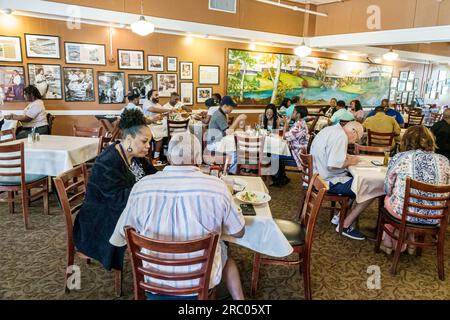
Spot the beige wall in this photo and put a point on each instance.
(351, 16)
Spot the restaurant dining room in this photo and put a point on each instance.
(224, 150)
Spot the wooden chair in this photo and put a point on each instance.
(108, 127)
(163, 254)
(174, 127)
(373, 151)
(221, 168)
(103, 144)
(7, 135)
(299, 235)
(71, 187)
(312, 127)
(417, 194)
(415, 118)
(306, 162)
(13, 179)
(378, 139)
(311, 139)
(87, 132)
(50, 121)
(249, 154)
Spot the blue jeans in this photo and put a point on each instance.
(283, 161)
(151, 296)
(342, 189)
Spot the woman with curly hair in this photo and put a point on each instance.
(114, 174)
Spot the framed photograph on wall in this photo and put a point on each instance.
(409, 86)
(79, 85)
(10, 49)
(42, 46)
(398, 99)
(172, 64)
(442, 76)
(12, 83)
(416, 84)
(85, 53)
(111, 87)
(187, 93)
(186, 70)
(155, 63)
(404, 76)
(208, 74)
(204, 94)
(392, 95)
(411, 75)
(440, 86)
(411, 97)
(166, 83)
(445, 90)
(130, 59)
(394, 82)
(401, 86)
(47, 79)
(140, 84)
(404, 97)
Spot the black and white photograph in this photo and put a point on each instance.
(79, 84)
(204, 94)
(47, 79)
(187, 93)
(130, 59)
(12, 83)
(10, 49)
(85, 53)
(186, 70)
(394, 82)
(140, 84)
(111, 87)
(416, 84)
(42, 46)
(404, 76)
(167, 83)
(155, 63)
(172, 64)
(208, 75)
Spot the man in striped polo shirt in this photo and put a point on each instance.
(181, 203)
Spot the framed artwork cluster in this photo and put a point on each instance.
(404, 88)
(76, 83)
(438, 87)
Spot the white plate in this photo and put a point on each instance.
(239, 184)
(261, 197)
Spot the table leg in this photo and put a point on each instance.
(371, 232)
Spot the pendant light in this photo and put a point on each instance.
(303, 50)
(142, 27)
(390, 56)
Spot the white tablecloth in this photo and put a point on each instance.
(368, 179)
(53, 155)
(261, 232)
(272, 144)
(160, 131)
(7, 125)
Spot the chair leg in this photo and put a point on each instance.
(420, 238)
(379, 233)
(333, 206)
(304, 265)
(398, 251)
(45, 197)
(255, 273)
(11, 201)
(70, 261)
(440, 258)
(25, 208)
(118, 283)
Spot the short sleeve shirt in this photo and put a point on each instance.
(36, 111)
(216, 128)
(342, 114)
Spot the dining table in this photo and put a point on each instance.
(52, 155)
(262, 234)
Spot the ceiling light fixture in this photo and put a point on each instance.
(343, 56)
(6, 11)
(390, 56)
(295, 8)
(303, 50)
(142, 27)
(252, 47)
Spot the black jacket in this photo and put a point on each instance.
(441, 130)
(108, 190)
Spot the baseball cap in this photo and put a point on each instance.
(227, 100)
(210, 102)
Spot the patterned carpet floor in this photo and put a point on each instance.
(32, 262)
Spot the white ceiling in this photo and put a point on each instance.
(317, 2)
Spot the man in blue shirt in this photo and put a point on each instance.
(389, 112)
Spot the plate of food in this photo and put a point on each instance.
(253, 197)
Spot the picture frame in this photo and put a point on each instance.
(166, 84)
(111, 87)
(411, 75)
(130, 59)
(47, 78)
(78, 84)
(398, 98)
(155, 63)
(209, 74)
(404, 76)
(85, 53)
(416, 84)
(203, 94)
(186, 70)
(401, 86)
(10, 49)
(404, 97)
(42, 46)
(409, 86)
(445, 90)
(442, 75)
(440, 86)
(12, 83)
(392, 95)
(140, 84)
(410, 100)
(187, 93)
(394, 82)
(172, 64)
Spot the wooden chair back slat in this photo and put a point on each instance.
(205, 248)
(17, 151)
(374, 151)
(378, 139)
(87, 132)
(306, 164)
(250, 153)
(7, 135)
(174, 127)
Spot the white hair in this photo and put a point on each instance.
(355, 126)
(184, 149)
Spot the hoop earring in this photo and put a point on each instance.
(129, 149)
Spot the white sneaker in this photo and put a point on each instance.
(335, 220)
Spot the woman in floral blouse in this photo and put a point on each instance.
(419, 162)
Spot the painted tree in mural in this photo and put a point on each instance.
(324, 65)
(273, 73)
(242, 62)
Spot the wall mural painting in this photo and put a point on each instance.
(258, 78)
